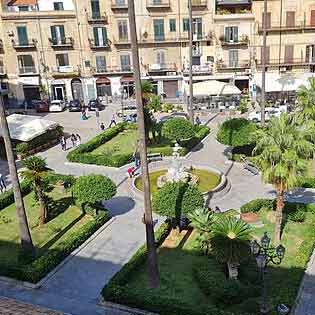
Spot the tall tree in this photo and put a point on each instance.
(25, 235)
(306, 101)
(148, 220)
(283, 149)
(35, 172)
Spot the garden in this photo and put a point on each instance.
(62, 212)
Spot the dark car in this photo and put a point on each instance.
(93, 104)
(40, 106)
(75, 106)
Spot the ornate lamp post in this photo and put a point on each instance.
(265, 254)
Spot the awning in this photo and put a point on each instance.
(21, 2)
(127, 79)
(276, 82)
(58, 82)
(213, 87)
(29, 80)
(102, 80)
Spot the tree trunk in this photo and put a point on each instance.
(148, 220)
(279, 211)
(25, 235)
(42, 206)
(233, 270)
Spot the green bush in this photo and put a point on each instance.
(200, 133)
(297, 216)
(92, 189)
(237, 132)
(307, 182)
(176, 129)
(155, 103)
(174, 200)
(54, 178)
(22, 148)
(166, 107)
(257, 204)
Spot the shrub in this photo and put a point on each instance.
(257, 204)
(177, 129)
(307, 182)
(22, 148)
(237, 132)
(92, 189)
(155, 103)
(200, 133)
(176, 199)
(297, 216)
(166, 107)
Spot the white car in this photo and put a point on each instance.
(57, 106)
(269, 113)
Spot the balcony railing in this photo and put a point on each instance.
(66, 42)
(234, 43)
(288, 62)
(122, 41)
(172, 38)
(112, 69)
(65, 71)
(206, 68)
(234, 2)
(298, 27)
(196, 4)
(98, 18)
(158, 4)
(158, 67)
(119, 5)
(27, 70)
(241, 64)
(31, 44)
(99, 45)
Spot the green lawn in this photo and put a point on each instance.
(207, 180)
(178, 282)
(65, 221)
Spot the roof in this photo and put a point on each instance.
(25, 127)
(21, 2)
(213, 87)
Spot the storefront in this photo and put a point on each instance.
(77, 89)
(103, 87)
(59, 90)
(31, 90)
(127, 84)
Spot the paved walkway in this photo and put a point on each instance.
(74, 287)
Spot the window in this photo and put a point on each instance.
(58, 34)
(231, 34)
(312, 22)
(26, 64)
(197, 28)
(22, 35)
(121, 3)
(268, 22)
(123, 30)
(23, 8)
(290, 18)
(62, 60)
(158, 26)
(185, 25)
(100, 64)
(160, 58)
(233, 58)
(58, 6)
(310, 53)
(288, 53)
(172, 25)
(100, 36)
(125, 62)
(95, 7)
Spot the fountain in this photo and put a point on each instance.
(177, 172)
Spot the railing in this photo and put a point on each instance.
(199, 3)
(98, 45)
(166, 38)
(62, 42)
(112, 69)
(234, 2)
(97, 18)
(206, 68)
(27, 70)
(30, 44)
(298, 27)
(153, 4)
(241, 64)
(157, 67)
(288, 62)
(119, 4)
(122, 40)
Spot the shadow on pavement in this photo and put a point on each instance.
(119, 205)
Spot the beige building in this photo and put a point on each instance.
(75, 49)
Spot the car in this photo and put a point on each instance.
(57, 106)
(127, 110)
(269, 113)
(175, 115)
(75, 106)
(93, 104)
(41, 106)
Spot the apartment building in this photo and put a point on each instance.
(75, 49)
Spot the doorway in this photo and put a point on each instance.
(77, 89)
(59, 93)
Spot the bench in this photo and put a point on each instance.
(154, 157)
(251, 168)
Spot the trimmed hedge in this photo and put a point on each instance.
(201, 133)
(40, 267)
(82, 154)
(307, 182)
(257, 204)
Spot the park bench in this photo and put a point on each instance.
(251, 168)
(154, 157)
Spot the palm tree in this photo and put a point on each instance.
(306, 101)
(147, 91)
(25, 235)
(35, 172)
(283, 149)
(230, 242)
(202, 220)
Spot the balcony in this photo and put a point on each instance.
(240, 65)
(101, 70)
(94, 45)
(98, 18)
(288, 62)
(146, 38)
(158, 4)
(243, 41)
(62, 43)
(206, 68)
(228, 16)
(122, 41)
(26, 15)
(299, 27)
(199, 4)
(27, 70)
(119, 5)
(65, 71)
(161, 67)
(31, 44)
(234, 2)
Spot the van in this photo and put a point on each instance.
(57, 106)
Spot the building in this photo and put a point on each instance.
(75, 49)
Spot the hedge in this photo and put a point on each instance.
(257, 204)
(40, 267)
(82, 154)
(307, 182)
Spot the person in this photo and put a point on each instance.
(102, 126)
(83, 114)
(78, 139)
(198, 121)
(131, 171)
(63, 143)
(113, 121)
(73, 139)
(136, 155)
(3, 186)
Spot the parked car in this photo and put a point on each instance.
(269, 113)
(127, 111)
(41, 106)
(75, 106)
(175, 115)
(93, 104)
(57, 106)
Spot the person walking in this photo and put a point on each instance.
(113, 121)
(73, 139)
(63, 143)
(78, 139)
(136, 156)
(3, 186)
(131, 171)
(102, 126)
(198, 121)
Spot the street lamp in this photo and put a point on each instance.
(264, 254)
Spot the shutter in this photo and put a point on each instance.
(199, 27)
(267, 54)
(290, 19)
(104, 34)
(95, 32)
(95, 6)
(312, 18)
(62, 34)
(268, 22)
(307, 53)
(53, 34)
(158, 58)
(288, 53)
(22, 35)
(162, 59)
(233, 58)
(227, 34)
(235, 34)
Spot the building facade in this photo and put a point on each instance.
(75, 49)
